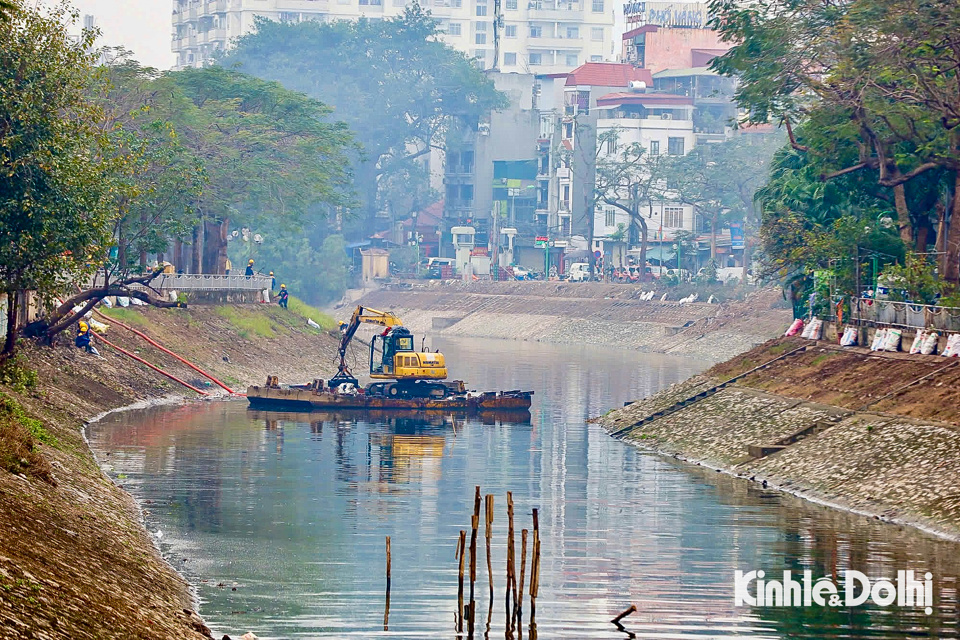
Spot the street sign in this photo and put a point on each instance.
(541, 242)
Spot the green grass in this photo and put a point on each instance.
(822, 358)
(127, 315)
(251, 322)
(19, 434)
(305, 311)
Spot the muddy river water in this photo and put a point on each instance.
(279, 519)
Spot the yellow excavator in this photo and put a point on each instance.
(410, 374)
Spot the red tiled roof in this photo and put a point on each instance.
(646, 99)
(608, 74)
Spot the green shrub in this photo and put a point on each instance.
(16, 374)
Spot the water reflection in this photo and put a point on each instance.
(293, 508)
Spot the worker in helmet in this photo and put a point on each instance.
(249, 271)
(83, 338)
(284, 296)
(273, 281)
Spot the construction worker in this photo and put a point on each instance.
(273, 282)
(83, 338)
(227, 266)
(283, 296)
(249, 271)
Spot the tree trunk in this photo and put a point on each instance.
(143, 252)
(178, 254)
(211, 246)
(941, 246)
(13, 311)
(222, 246)
(643, 248)
(713, 237)
(196, 265)
(903, 215)
(591, 215)
(952, 270)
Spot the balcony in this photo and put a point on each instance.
(555, 43)
(551, 14)
(216, 6)
(635, 122)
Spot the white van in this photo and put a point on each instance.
(579, 272)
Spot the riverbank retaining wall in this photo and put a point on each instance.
(587, 313)
(873, 433)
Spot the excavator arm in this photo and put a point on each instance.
(362, 315)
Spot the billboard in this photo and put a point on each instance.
(671, 15)
(736, 235)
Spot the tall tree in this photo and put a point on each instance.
(54, 201)
(393, 81)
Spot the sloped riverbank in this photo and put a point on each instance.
(75, 559)
(587, 313)
(873, 433)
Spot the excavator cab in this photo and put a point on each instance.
(385, 347)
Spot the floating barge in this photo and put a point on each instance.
(307, 399)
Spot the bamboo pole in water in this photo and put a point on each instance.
(511, 565)
(461, 551)
(489, 533)
(523, 572)
(474, 525)
(534, 570)
(386, 609)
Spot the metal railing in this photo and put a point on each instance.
(205, 282)
(906, 314)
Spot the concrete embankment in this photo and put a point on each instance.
(875, 433)
(75, 559)
(587, 313)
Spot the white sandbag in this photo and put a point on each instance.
(663, 298)
(917, 342)
(891, 342)
(952, 349)
(807, 329)
(849, 338)
(98, 326)
(815, 329)
(312, 323)
(878, 339)
(930, 341)
(172, 295)
(137, 302)
(107, 303)
(265, 296)
(123, 301)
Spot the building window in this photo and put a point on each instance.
(453, 29)
(654, 147)
(510, 59)
(372, 3)
(571, 60)
(675, 146)
(673, 217)
(598, 6)
(573, 32)
(611, 145)
(536, 32)
(567, 126)
(596, 34)
(536, 59)
(510, 31)
(511, 5)
(481, 9)
(596, 58)
(289, 16)
(480, 38)
(611, 218)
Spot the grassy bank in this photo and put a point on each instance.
(75, 561)
(874, 433)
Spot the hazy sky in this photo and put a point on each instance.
(143, 26)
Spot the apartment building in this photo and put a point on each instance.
(537, 36)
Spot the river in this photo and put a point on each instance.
(279, 519)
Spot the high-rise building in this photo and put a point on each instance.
(536, 36)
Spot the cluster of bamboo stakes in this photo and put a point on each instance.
(514, 591)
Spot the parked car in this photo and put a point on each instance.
(521, 273)
(433, 267)
(579, 272)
